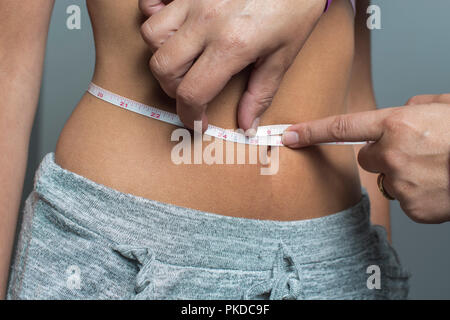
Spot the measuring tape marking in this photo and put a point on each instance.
(265, 135)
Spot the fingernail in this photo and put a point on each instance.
(290, 138)
(254, 129)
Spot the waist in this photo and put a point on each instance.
(134, 155)
(99, 210)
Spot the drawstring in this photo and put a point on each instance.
(284, 285)
(144, 258)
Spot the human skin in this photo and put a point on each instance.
(131, 153)
(212, 33)
(22, 51)
(165, 33)
(410, 145)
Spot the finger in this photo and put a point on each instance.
(163, 24)
(150, 7)
(362, 126)
(429, 98)
(169, 64)
(369, 158)
(263, 84)
(204, 81)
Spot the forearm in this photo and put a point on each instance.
(13, 155)
(22, 49)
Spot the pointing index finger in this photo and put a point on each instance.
(353, 127)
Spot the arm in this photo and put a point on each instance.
(410, 144)
(362, 98)
(24, 26)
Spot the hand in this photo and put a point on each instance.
(411, 147)
(199, 45)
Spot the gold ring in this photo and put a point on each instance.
(380, 180)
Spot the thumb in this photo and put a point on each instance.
(150, 7)
(264, 81)
(428, 98)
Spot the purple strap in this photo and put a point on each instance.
(328, 5)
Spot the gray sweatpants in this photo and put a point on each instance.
(82, 240)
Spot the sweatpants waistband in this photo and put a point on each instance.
(189, 237)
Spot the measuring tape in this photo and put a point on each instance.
(265, 135)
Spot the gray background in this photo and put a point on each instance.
(410, 56)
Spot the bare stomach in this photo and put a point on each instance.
(133, 154)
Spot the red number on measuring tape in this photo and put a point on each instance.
(222, 135)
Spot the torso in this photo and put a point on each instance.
(132, 153)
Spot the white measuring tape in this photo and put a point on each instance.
(265, 135)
